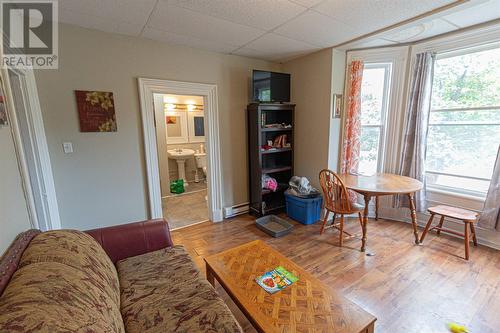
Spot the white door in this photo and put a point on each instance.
(33, 150)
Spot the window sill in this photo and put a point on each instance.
(478, 198)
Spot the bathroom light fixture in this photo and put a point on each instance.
(170, 106)
(191, 107)
(169, 99)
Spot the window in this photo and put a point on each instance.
(464, 123)
(374, 102)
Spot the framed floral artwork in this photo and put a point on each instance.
(96, 110)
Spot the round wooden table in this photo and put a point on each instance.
(383, 184)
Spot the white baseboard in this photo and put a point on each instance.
(236, 210)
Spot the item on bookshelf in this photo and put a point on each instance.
(276, 280)
(280, 141)
(267, 147)
(282, 125)
(269, 183)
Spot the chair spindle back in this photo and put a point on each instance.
(335, 193)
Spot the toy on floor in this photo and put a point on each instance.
(456, 328)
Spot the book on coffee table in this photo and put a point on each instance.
(276, 280)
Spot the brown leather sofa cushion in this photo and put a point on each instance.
(132, 239)
(163, 291)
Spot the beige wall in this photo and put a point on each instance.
(311, 91)
(103, 182)
(13, 210)
(338, 78)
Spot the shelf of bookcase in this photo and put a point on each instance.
(275, 150)
(274, 170)
(276, 129)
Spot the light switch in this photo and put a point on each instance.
(68, 147)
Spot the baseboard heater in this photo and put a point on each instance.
(236, 210)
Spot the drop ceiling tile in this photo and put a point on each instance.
(317, 29)
(368, 16)
(479, 13)
(271, 43)
(418, 31)
(131, 11)
(262, 14)
(99, 23)
(276, 56)
(86, 21)
(129, 29)
(364, 43)
(190, 23)
(187, 41)
(307, 3)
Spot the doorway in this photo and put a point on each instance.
(180, 138)
(156, 108)
(31, 148)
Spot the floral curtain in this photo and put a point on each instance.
(490, 216)
(352, 131)
(416, 125)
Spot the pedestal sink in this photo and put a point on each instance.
(180, 156)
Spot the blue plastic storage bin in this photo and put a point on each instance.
(305, 211)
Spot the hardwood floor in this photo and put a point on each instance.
(408, 288)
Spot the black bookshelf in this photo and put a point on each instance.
(266, 122)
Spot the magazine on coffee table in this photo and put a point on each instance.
(276, 280)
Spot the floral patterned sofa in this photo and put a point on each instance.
(128, 278)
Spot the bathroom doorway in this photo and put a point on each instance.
(180, 138)
(147, 89)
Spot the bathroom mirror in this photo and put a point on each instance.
(176, 127)
(196, 126)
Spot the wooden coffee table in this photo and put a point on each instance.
(308, 305)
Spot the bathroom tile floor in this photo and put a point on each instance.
(185, 209)
(192, 187)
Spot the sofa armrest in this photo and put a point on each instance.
(133, 239)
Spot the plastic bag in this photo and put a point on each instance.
(177, 186)
(300, 187)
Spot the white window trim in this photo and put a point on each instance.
(398, 56)
(456, 44)
(386, 95)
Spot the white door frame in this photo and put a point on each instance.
(148, 87)
(38, 142)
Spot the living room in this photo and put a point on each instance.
(436, 123)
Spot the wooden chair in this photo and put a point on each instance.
(336, 201)
(468, 217)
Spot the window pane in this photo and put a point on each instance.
(372, 95)
(463, 149)
(471, 116)
(370, 137)
(467, 80)
(450, 182)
